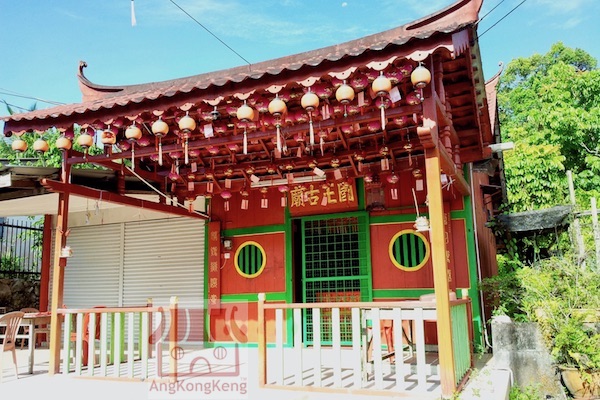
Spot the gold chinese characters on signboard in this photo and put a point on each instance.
(334, 196)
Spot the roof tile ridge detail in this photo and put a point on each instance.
(460, 13)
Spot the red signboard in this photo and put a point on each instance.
(214, 270)
(321, 198)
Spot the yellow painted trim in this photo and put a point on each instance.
(237, 265)
(391, 251)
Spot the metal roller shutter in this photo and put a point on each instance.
(165, 258)
(92, 274)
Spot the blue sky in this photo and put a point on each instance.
(42, 42)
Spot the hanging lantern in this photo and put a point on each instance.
(283, 189)
(420, 77)
(417, 174)
(40, 146)
(264, 202)
(385, 163)
(63, 143)
(108, 138)
(160, 129)
(245, 113)
(245, 194)
(335, 162)
(143, 141)
(344, 94)
(408, 147)
(277, 108)
(213, 150)
(85, 140)
(133, 133)
(173, 176)
(310, 102)
(359, 157)
(186, 125)
(226, 195)
(381, 87)
(123, 146)
(413, 98)
(271, 169)
(322, 136)
(19, 145)
(393, 178)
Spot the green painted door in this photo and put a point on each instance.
(335, 267)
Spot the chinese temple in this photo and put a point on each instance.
(360, 172)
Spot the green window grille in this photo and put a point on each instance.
(409, 250)
(336, 269)
(250, 259)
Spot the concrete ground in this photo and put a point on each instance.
(485, 383)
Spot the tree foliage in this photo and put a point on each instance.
(549, 106)
(52, 158)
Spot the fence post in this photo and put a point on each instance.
(596, 232)
(262, 342)
(173, 350)
(149, 304)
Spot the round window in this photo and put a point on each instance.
(250, 259)
(409, 250)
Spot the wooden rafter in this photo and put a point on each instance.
(82, 191)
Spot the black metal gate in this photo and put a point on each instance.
(20, 249)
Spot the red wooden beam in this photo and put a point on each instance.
(82, 191)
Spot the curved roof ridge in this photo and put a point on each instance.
(491, 89)
(450, 18)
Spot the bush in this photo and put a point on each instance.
(557, 294)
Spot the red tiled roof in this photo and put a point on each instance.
(97, 97)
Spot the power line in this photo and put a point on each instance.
(209, 31)
(16, 106)
(505, 15)
(489, 12)
(15, 94)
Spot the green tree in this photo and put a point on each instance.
(549, 106)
